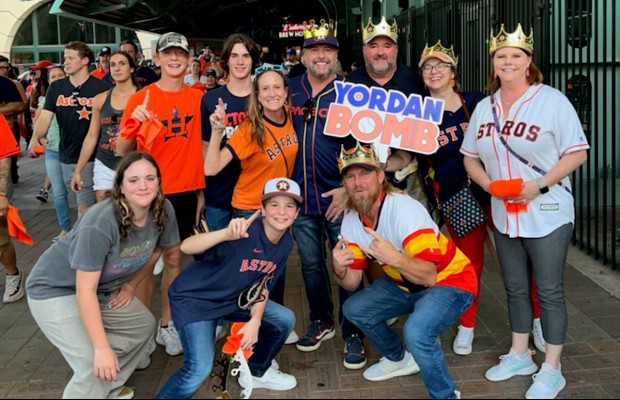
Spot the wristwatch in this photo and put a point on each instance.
(541, 185)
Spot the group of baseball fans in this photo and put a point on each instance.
(236, 175)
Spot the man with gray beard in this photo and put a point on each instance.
(316, 172)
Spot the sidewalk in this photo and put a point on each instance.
(30, 367)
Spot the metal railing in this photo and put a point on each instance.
(577, 49)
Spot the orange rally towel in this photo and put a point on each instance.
(513, 208)
(145, 132)
(508, 187)
(16, 226)
(233, 341)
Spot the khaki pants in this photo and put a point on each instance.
(128, 331)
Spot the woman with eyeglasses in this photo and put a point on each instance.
(265, 144)
(108, 109)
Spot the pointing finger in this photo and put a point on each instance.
(373, 233)
(253, 217)
(146, 98)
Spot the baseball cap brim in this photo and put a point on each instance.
(440, 56)
(330, 40)
(368, 166)
(370, 39)
(295, 197)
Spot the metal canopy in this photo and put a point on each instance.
(200, 18)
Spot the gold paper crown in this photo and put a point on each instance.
(320, 31)
(365, 155)
(371, 30)
(514, 39)
(439, 49)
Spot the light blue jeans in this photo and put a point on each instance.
(432, 312)
(59, 189)
(198, 340)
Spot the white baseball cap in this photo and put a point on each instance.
(282, 187)
(172, 39)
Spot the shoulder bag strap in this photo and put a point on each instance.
(514, 153)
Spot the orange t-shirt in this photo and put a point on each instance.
(8, 145)
(260, 165)
(178, 149)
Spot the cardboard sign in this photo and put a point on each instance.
(385, 118)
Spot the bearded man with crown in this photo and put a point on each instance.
(427, 278)
(522, 144)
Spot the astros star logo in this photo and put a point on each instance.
(283, 186)
(84, 113)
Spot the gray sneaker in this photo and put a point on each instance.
(14, 289)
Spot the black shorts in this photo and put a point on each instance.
(184, 205)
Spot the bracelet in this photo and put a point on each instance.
(346, 271)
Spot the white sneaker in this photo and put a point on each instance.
(159, 265)
(292, 338)
(169, 338)
(548, 383)
(537, 334)
(510, 365)
(462, 344)
(391, 321)
(146, 359)
(273, 379)
(386, 369)
(14, 289)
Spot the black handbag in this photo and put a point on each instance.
(463, 212)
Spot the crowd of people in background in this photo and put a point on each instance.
(224, 157)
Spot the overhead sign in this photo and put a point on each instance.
(291, 30)
(385, 118)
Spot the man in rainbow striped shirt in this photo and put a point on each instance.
(426, 275)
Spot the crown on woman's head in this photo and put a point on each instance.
(359, 155)
(440, 52)
(514, 39)
(320, 31)
(371, 30)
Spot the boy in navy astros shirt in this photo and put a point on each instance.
(236, 258)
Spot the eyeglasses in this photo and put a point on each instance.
(308, 109)
(441, 67)
(263, 68)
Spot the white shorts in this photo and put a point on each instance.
(103, 177)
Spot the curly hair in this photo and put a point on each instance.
(124, 214)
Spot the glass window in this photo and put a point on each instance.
(24, 34)
(104, 34)
(47, 26)
(72, 29)
(129, 35)
(55, 57)
(22, 58)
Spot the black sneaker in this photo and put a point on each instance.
(317, 332)
(354, 353)
(42, 196)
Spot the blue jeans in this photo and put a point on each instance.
(198, 340)
(312, 231)
(217, 218)
(432, 312)
(59, 189)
